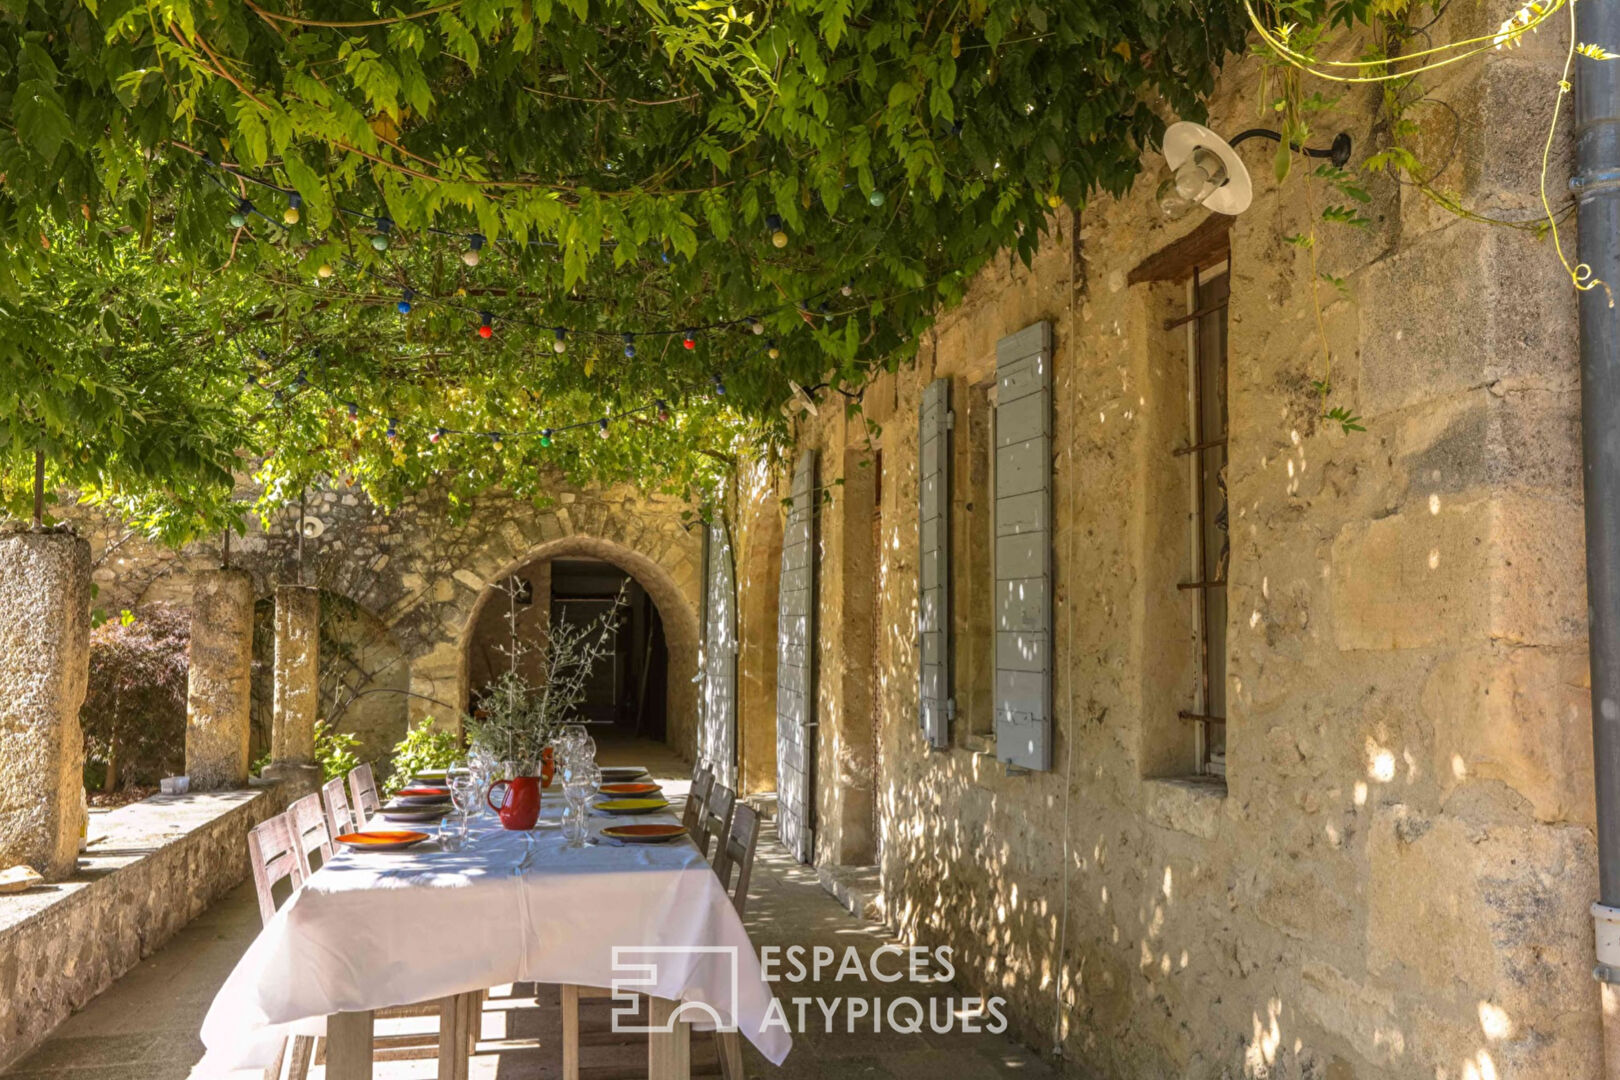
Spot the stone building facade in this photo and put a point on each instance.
(1378, 862)
(404, 588)
(1391, 878)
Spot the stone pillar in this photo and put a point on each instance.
(219, 684)
(44, 669)
(297, 693)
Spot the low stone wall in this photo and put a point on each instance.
(151, 868)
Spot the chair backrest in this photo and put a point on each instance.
(339, 820)
(273, 853)
(696, 798)
(736, 849)
(363, 786)
(308, 821)
(716, 823)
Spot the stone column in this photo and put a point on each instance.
(297, 694)
(44, 669)
(219, 684)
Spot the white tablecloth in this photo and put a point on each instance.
(376, 929)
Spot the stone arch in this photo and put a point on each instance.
(681, 633)
(646, 540)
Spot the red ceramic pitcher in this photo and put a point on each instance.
(519, 805)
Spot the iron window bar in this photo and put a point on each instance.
(1207, 444)
(1184, 585)
(1202, 718)
(1182, 320)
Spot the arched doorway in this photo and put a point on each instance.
(647, 688)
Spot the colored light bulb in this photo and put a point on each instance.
(630, 345)
(438, 433)
(294, 210)
(560, 345)
(876, 198)
(690, 341)
(602, 427)
(487, 329)
(405, 298)
(545, 437)
(475, 243)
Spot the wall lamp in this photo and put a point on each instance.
(1204, 169)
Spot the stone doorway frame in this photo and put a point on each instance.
(669, 595)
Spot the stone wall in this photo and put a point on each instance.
(151, 868)
(420, 573)
(1393, 880)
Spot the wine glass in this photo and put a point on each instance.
(464, 794)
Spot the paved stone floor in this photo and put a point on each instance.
(145, 1026)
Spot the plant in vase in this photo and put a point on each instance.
(517, 719)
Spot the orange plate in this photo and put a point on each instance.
(646, 833)
(628, 791)
(382, 837)
(422, 792)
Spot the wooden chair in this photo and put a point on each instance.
(737, 846)
(276, 856)
(363, 786)
(339, 818)
(310, 831)
(715, 820)
(696, 798)
(277, 852)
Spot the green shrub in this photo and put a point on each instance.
(334, 750)
(423, 747)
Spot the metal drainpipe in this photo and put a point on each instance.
(1596, 185)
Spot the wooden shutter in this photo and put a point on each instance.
(795, 668)
(717, 741)
(1023, 555)
(934, 562)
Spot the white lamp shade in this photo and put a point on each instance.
(1183, 137)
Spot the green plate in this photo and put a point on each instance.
(633, 806)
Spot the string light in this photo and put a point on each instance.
(393, 429)
(630, 345)
(560, 345)
(719, 385)
(324, 270)
(294, 211)
(847, 289)
(772, 351)
(602, 427)
(300, 381)
(773, 225)
(545, 437)
(475, 243)
(495, 439)
(438, 433)
(487, 329)
(240, 215)
(663, 411)
(379, 239)
(405, 298)
(690, 340)
(354, 412)
(876, 198)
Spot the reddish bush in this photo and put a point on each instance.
(134, 714)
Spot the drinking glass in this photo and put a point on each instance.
(576, 826)
(464, 794)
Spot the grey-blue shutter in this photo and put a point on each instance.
(796, 668)
(1023, 555)
(717, 740)
(934, 561)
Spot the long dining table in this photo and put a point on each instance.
(371, 930)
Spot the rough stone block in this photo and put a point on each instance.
(1448, 571)
(1493, 911)
(219, 683)
(297, 675)
(1520, 717)
(44, 669)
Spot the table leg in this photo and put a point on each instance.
(453, 1038)
(569, 995)
(348, 1046)
(731, 1063)
(669, 1053)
